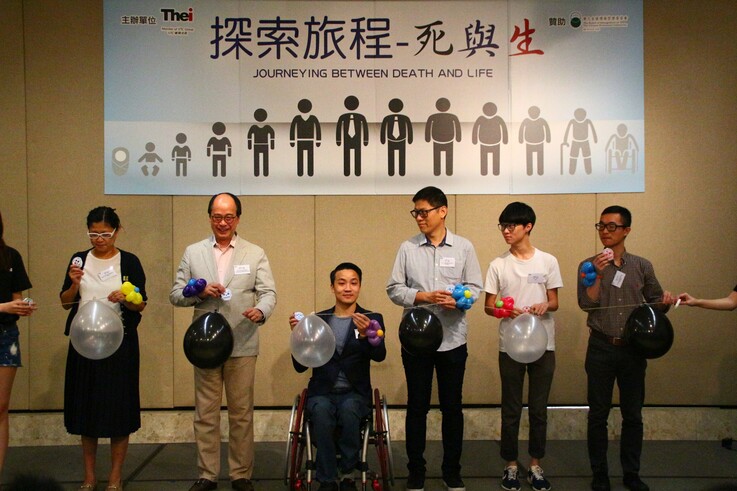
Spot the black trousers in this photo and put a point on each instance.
(606, 364)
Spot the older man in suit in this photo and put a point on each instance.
(241, 287)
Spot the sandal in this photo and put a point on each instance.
(88, 487)
(114, 487)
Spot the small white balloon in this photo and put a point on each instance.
(525, 338)
(312, 342)
(96, 331)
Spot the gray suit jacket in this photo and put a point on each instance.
(249, 279)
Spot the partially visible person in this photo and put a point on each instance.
(241, 287)
(622, 282)
(727, 303)
(101, 397)
(13, 281)
(425, 266)
(339, 392)
(532, 278)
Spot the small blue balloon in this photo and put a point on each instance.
(458, 291)
(588, 267)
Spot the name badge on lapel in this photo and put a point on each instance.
(242, 269)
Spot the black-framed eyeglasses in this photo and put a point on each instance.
(508, 226)
(219, 218)
(102, 235)
(611, 226)
(422, 213)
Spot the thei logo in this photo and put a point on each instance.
(171, 15)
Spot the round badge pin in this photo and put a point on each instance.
(227, 294)
(77, 261)
(299, 316)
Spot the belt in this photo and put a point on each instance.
(608, 339)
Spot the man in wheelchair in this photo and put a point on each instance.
(339, 392)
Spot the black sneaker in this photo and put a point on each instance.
(510, 481)
(537, 480)
(601, 482)
(454, 483)
(415, 482)
(634, 483)
(348, 484)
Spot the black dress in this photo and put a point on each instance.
(101, 397)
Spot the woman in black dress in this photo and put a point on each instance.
(13, 280)
(101, 397)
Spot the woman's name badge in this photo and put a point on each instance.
(106, 274)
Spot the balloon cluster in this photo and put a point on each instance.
(194, 287)
(503, 308)
(132, 293)
(374, 333)
(588, 274)
(463, 296)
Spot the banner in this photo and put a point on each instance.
(369, 97)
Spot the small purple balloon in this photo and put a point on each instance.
(189, 291)
(200, 285)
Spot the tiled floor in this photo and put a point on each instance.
(666, 465)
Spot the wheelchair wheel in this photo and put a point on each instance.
(298, 444)
(381, 437)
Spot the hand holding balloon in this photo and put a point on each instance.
(588, 274)
(132, 293)
(503, 308)
(194, 287)
(463, 296)
(374, 333)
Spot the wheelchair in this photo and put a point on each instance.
(299, 468)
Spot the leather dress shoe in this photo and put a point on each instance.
(203, 485)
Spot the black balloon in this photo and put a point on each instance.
(420, 332)
(649, 332)
(209, 341)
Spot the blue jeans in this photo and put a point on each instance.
(331, 411)
(450, 367)
(605, 364)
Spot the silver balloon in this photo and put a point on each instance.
(312, 342)
(96, 331)
(525, 338)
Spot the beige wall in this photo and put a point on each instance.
(51, 136)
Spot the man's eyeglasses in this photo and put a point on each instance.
(103, 235)
(219, 218)
(422, 213)
(611, 226)
(509, 227)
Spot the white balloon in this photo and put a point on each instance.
(525, 338)
(312, 342)
(96, 331)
